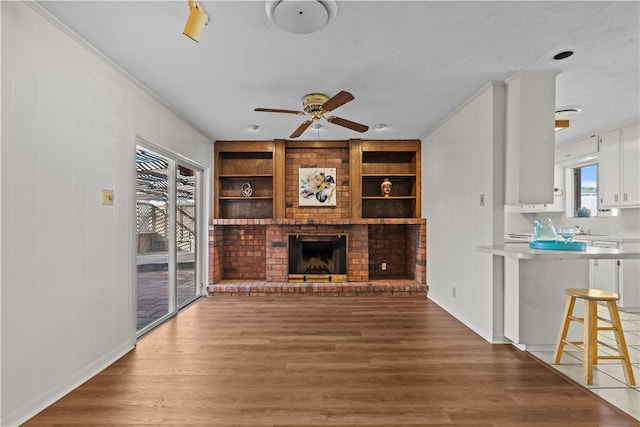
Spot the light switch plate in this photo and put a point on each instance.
(107, 197)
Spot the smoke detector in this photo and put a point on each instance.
(301, 16)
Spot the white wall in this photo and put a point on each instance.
(69, 126)
(462, 159)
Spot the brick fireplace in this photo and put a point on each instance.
(252, 251)
(317, 257)
(382, 255)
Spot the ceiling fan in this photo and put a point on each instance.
(316, 105)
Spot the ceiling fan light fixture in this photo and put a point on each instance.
(301, 16)
(313, 103)
(196, 21)
(380, 126)
(316, 105)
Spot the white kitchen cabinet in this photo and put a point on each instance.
(620, 276)
(609, 169)
(604, 272)
(558, 196)
(530, 137)
(629, 284)
(577, 152)
(630, 159)
(619, 168)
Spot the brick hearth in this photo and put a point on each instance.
(250, 257)
(396, 288)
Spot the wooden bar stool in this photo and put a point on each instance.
(589, 344)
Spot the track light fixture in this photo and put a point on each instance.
(196, 21)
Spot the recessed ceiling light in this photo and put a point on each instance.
(254, 127)
(380, 126)
(563, 55)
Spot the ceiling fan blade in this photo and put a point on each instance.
(301, 128)
(337, 100)
(358, 127)
(275, 110)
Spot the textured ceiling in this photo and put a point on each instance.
(408, 63)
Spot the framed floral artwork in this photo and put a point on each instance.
(317, 186)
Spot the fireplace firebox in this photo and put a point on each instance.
(318, 257)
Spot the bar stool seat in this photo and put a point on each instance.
(589, 344)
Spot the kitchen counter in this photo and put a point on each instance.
(616, 238)
(534, 285)
(523, 251)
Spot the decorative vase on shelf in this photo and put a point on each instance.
(385, 187)
(246, 191)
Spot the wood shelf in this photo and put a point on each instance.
(398, 161)
(247, 199)
(389, 208)
(246, 208)
(244, 176)
(387, 198)
(387, 175)
(237, 163)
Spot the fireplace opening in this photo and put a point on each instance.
(318, 257)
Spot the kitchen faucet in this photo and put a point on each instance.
(581, 231)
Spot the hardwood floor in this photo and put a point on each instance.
(300, 361)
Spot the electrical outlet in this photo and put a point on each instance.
(384, 265)
(107, 197)
(482, 199)
(453, 291)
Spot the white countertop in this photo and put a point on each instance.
(617, 238)
(523, 251)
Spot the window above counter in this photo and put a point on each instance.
(602, 172)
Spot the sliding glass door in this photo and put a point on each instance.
(167, 228)
(186, 221)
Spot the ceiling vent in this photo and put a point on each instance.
(301, 16)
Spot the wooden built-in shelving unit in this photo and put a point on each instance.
(399, 161)
(262, 165)
(237, 163)
(249, 234)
